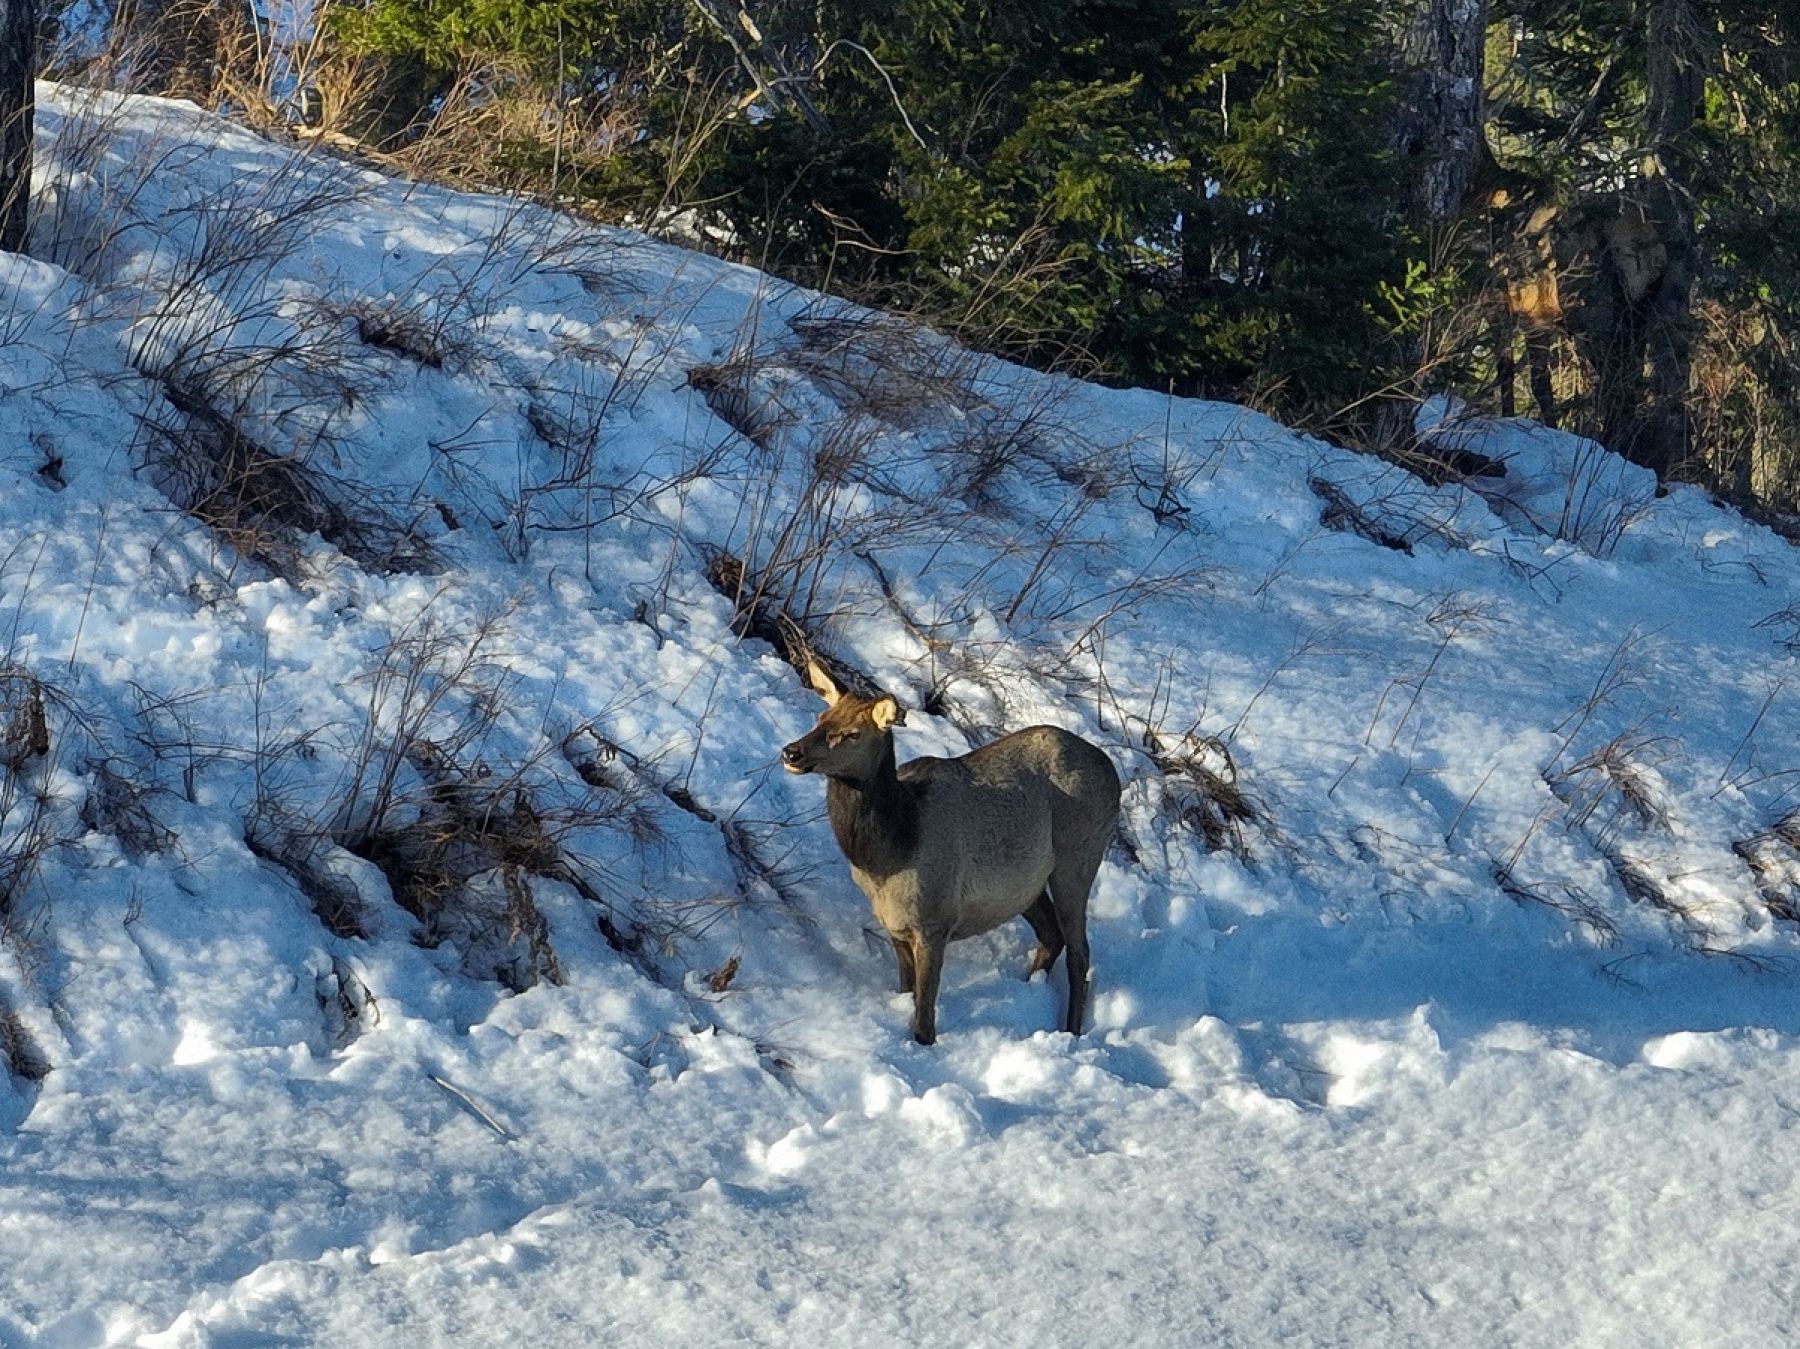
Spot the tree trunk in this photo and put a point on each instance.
(18, 49)
(1439, 132)
(1506, 368)
(1439, 140)
(1676, 83)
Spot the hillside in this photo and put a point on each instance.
(410, 936)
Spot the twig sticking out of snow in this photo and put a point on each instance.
(467, 1100)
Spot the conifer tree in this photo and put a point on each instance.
(1247, 198)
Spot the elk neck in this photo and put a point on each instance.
(875, 819)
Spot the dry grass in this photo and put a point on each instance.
(346, 1003)
(202, 455)
(1341, 512)
(1622, 772)
(1451, 619)
(19, 1049)
(1597, 504)
(1569, 900)
(1643, 884)
(759, 864)
(1203, 792)
(305, 857)
(117, 803)
(883, 366)
(1773, 857)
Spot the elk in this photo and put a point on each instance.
(950, 848)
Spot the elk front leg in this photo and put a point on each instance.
(928, 964)
(903, 955)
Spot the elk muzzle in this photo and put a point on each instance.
(798, 757)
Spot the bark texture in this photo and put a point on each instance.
(18, 44)
(1676, 84)
(1439, 132)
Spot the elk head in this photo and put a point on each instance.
(851, 738)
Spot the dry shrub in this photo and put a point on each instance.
(730, 389)
(455, 839)
(1201, 790)
(1622, 770)
(427, 333)
(892, 369)
(1566, 899)
(174, 48)
(19, 1049)
(460, 825)
(1744, 401)
(241, 365)
(461, 861)
(118, 804)
(1452, 618)
(24, 732)
(29, 826)
(1341, 512)
(1773, 857)
(626, 783)
(749, 845)
(719, 981)
(1600, 498)
(305, 856)
(435, 319)
(201, 456)
(1033, 438)
(785, 543)
(249, 61)
(1639, 883)
(759, 613)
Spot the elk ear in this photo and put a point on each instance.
(886, 713)
(823, 683)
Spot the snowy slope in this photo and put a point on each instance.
(424, 948)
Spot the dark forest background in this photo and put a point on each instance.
(1585, 212)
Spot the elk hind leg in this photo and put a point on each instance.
(903, 956)
(1069, 887)
(1042, 917)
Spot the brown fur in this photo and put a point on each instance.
(949, 848)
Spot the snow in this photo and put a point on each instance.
(1480, 1028)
